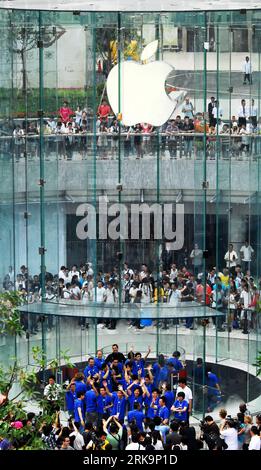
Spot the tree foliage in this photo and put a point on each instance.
(19, 386)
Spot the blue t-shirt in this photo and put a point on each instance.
(102, 402)
(211, 382)
(175, 363)
(119, 406)
(170, 398)
(146, 399)
(134, 387)
(133, 399)
(78, 404)
(90, 401)
(90, 371)
(155, 373)
(80, 387)
(123, 383)
(98, 363)
(140, 366)
(108, 379)
(160, 374)
(153, 411)
(163, 374)
(181, 415)
(138, 416)
(163, 412)
(69, 398)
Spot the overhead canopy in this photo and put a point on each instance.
(130, 5)
(126, 311)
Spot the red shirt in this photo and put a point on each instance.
(200, 290)
(104, 111)
(146, 129)
(65, 114)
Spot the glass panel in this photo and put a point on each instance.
(72, 160)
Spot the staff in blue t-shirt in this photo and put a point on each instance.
(140, 362)
(119, 405)
(104, 401)
(79, 409)
(180, 407)
(213, 389)
(136, 416)
(153, 404)
(169, 395)
(175, 362)
(135, 396)
(90, 370)
(99, 360)
(70, 397)
(91, 405)
(163, 411)
(105, 375)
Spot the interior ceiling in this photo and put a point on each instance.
(130, 5)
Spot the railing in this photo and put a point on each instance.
(104, 146)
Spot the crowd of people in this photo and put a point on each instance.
(232, 291)
(126, 403)
(71, 132)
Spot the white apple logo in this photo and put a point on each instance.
(142, 90)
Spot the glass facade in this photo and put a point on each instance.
(98, 191)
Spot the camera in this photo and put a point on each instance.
(232, 422)
(202, 424)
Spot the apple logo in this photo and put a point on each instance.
(142, 91)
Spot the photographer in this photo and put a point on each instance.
(210, 433)
(229, 433)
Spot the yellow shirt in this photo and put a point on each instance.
(161, 294)
(224, 279)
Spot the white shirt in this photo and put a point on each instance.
(231, 258)
(134, 446)
(100, 294)
(217, 112)
(146, 293)
(246, 298)
(66, 294)
(196, 255)
(128, 271)
(62, 275)
(143, 275)
(246, 252)
(78, 117)
(242, 112)
(173, 274)
(158, 445)
(133, 293)
(247, 67)
(174, 297)
(230, 437)
(19, 283)
(188, 110)
(78, 442)
(76, 291)
(252, 110)
(187, 391)
(90, 271)
(74, 273)
(254, 443)
(111, 296)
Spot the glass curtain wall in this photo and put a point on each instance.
(71, 162)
